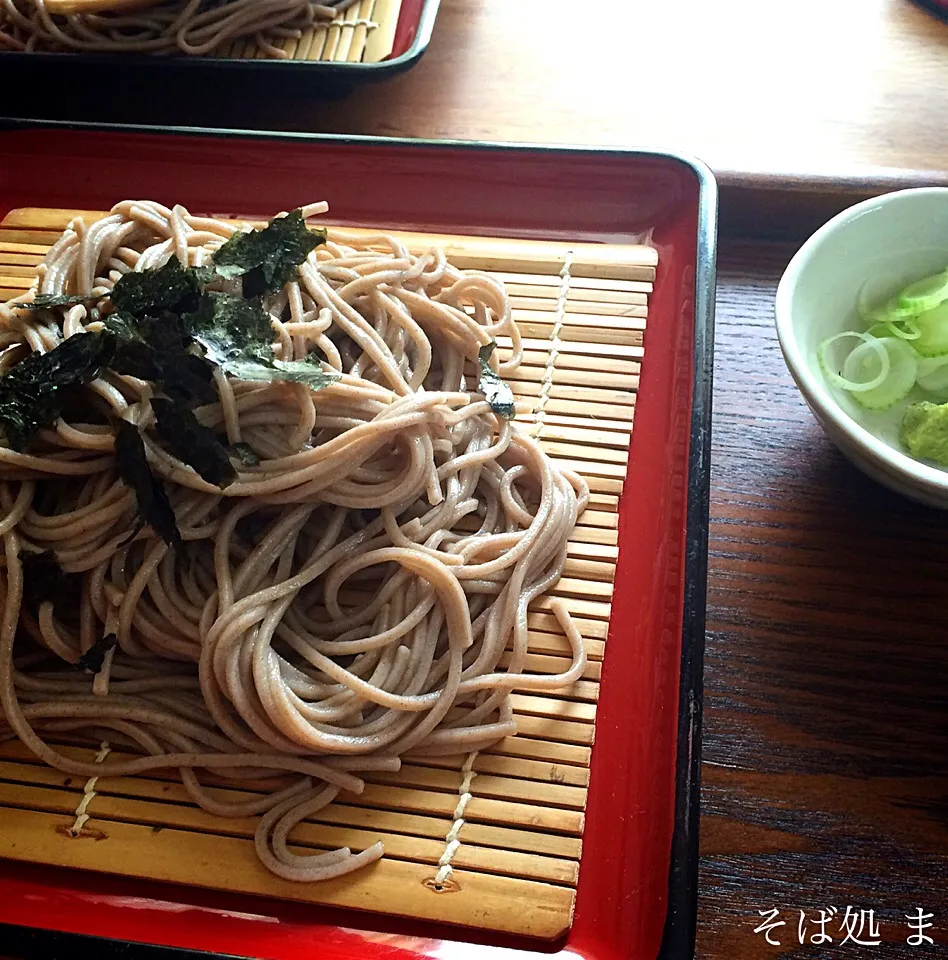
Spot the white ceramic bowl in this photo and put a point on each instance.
(871, 250)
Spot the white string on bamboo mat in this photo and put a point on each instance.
(88, 793)
(559, 319)
(452, 841)
(368, 24)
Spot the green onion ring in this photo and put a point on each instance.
(837, 379)
(897, 331)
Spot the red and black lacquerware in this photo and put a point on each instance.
(637, 883)
(937, 7)
(29, 79)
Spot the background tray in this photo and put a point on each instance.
(637, 874)
(28, 78)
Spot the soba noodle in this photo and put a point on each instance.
(195, 27)
(360, 593)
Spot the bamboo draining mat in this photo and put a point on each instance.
(582, 309)
(365, 33)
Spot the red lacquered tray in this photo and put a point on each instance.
(636, 891)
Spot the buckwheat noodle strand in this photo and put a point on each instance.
(194, 27)
(360, 593)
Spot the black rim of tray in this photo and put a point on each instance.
(190, 68)
(678, 936)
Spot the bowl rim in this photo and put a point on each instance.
(815, 390)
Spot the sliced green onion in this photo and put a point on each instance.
(888, 312)
(933, 332)
(900, 378)
(867, 302)
(905, 346)
(837, 378)
(925, 294)
(905, 329)
(933, 375)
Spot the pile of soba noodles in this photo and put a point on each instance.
(194, 27)
(356, 588)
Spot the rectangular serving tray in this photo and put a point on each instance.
(636, 896)
(30, 79)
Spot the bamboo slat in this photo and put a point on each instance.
(520, 843)
(513, 905)
(615, 262)
(365, 33)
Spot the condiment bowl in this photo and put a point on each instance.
(865, 254)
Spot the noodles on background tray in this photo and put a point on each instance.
(194, 27)
(265, 512)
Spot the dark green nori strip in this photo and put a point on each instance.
(48, 301)
(268, 258)
(183, 376)
(245, 453)
(497, 393)
(45, 580)
(93, 659)
(259, 370)
(227, 327)
(192, 442)
(35, 392)
(153, 503)
(151, 292)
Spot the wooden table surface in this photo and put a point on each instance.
(797, 107)
(825, 781)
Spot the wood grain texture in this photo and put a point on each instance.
(825, 779)
(849, 88)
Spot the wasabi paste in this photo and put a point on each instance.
(925, 431)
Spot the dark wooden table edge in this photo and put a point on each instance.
(791, 206)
